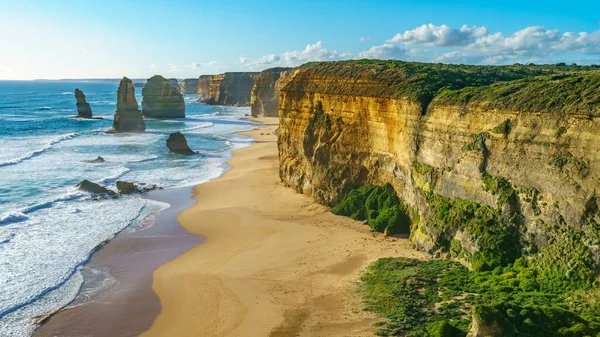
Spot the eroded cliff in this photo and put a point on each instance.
(189, 86)
(203, 87)
(264, 98)
(230, 89)
(487, 179)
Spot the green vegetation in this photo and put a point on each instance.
(422, 82)
(561, 160)
(575, 92)
(379, 206)
(439, 298)
(503, 128)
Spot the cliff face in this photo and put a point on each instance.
(203, 87)
(161, 99)
(128, 118)
(189, 86)
(230, 89)
(539, 169)
(83, 107)
(264, 98)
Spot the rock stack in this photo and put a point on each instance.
(189, 86)
(161, 99)
(175, 84)
(178, 144)
(128, 117)
(83, 107)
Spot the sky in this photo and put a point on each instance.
(56, 39)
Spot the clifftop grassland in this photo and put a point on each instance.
(513, 86)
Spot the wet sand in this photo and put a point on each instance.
(125, 304)
(274, 263)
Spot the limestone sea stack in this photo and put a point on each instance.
(189, 86)
(83, 107)
(175, 84)
(231, 88)
(178, 144)
(128, 117)
(264, 97)
(161, 99)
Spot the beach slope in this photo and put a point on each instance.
(274, 262)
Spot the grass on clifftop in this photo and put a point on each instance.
(418, 81)
(437, 298)
(577, 92)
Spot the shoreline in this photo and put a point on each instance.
(273, 263)
(118, 275)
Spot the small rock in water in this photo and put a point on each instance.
(88, 186)
(96, 161)
(178, 144)
(125, 187)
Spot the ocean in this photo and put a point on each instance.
(48, 228)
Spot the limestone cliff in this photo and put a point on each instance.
(175, 84)
(231, 88)
(264, 97)
(83, 107)
(203, 87)
(534, 165)
(161, 99)
(128, 117)
(189, 86)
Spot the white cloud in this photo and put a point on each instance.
(197, 65)
(386, 51)
(312, 52)
(363, 39)
(439, 36)
(243, 60)
(152, 66)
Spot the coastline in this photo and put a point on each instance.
(273, 263)
(118, 276)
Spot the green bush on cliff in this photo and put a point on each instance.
(438, 298)
(379, 205)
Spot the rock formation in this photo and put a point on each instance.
(175, 84)
(128, 117)
(88, 186)
(125, 187)
(161, 99)
(189, 86)
(83, 107)
(96, 161)
(178, 144)
(203, 86)
(264, 98)
(529, 155)
(227, 89)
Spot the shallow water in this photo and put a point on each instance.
(48, 228)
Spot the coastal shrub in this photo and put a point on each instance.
(440, 298)
(379, 206)
(503, 128)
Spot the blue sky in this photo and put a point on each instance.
(180, 38)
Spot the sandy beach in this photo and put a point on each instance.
(273, 263)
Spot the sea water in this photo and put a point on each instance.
(48, 228)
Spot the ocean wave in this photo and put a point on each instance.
(7, 238)
(202, 126)
(36, 153)
(12, 217)
(44, 108)
(65, 197)
(113, 178)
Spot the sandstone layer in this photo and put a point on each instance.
(161, 99)
(264, 98)
(349, 124)
(128, 117)
(203, 87)
(189, 86)
(227, 89)
(83, 107)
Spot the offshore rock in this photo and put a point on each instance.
(161, 99)
(125, 187)
(178, 144)
(83, 107)
(88, 186)
(264, 98)
(231, 88)
(189, 86)
(128, 117)
(175, 84)
(96, 161)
